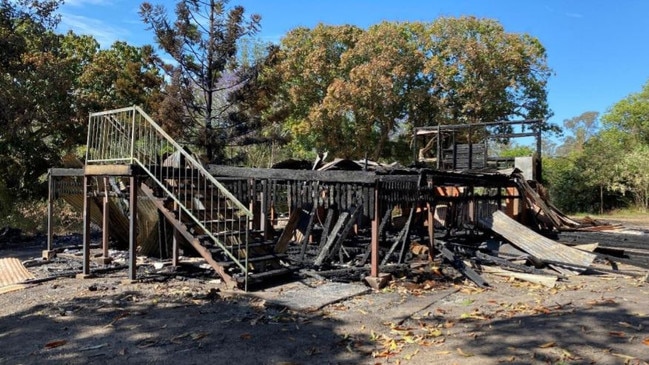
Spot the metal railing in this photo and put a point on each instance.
(130, 136)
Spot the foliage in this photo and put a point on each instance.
(49, 83)
(34, 87)
(631, 115)
(514, 150)
(484, 73)
(582, 175)
(626, 132)
(120, 76)
(354, 91)
(607, 163)
(630, 174)
(203, 43)
(579, 129)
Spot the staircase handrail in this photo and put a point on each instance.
(188, 158)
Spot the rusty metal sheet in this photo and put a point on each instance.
(12, 271)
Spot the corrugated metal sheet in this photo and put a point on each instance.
(12, 271)
(537, 245)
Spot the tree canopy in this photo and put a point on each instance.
(353, 91)
(202, 41)
(49, 82)
(602, 163)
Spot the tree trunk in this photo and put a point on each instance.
(601, 199)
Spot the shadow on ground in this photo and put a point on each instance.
(129, 327)
(599, 332)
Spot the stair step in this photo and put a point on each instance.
(266, 258)
(255, 259)
(251, 232)
(258, 277)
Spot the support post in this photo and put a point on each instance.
(48, 254)
(174, 260)
(105, 222)
(50, 204)
(430, 221)
(374, 257)
(263, 209)
(376, 280)
(86, 227)
(132, 274)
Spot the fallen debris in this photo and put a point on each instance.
(12, 271)
(566, 260)
(545, 280)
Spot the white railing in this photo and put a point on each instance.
(130, 136)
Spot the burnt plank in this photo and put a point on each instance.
(282, 243)
(459, 265)
(326, 227)
(331, 239)
(307, 233)
(362, 177)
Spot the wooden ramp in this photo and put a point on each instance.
(538, 246)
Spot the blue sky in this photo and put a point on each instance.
(597, 48)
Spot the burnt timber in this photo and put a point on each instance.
(251, 224)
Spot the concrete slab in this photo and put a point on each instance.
(306, 298)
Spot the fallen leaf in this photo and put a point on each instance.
(54, 344)
(147, 343)
(246, 336)
(93, 347)
(198, 335)
(176, 338)
(646, 341)
(467, 302)
(548, 344)
(629, 325)
(625, 357)
(123, 314)
(410, 356)
(617, 334)
(462, 353)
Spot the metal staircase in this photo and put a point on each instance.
(203, 212)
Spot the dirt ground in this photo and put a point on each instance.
(186, 317)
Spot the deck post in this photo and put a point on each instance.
(175, 254)
(86, 227)
(48, 253)
(132, 273)
(105, 221)
(376, 280)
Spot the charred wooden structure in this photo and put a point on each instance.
(354, 218)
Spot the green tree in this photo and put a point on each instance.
(309, 61)
(484, 74)
(633, 175)
(365, 106)
(626, 132)
(585, 176)
(36, 81)
(579, 129)
(354, 91)
(631, 115)
(120, 76)
(202, 42)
